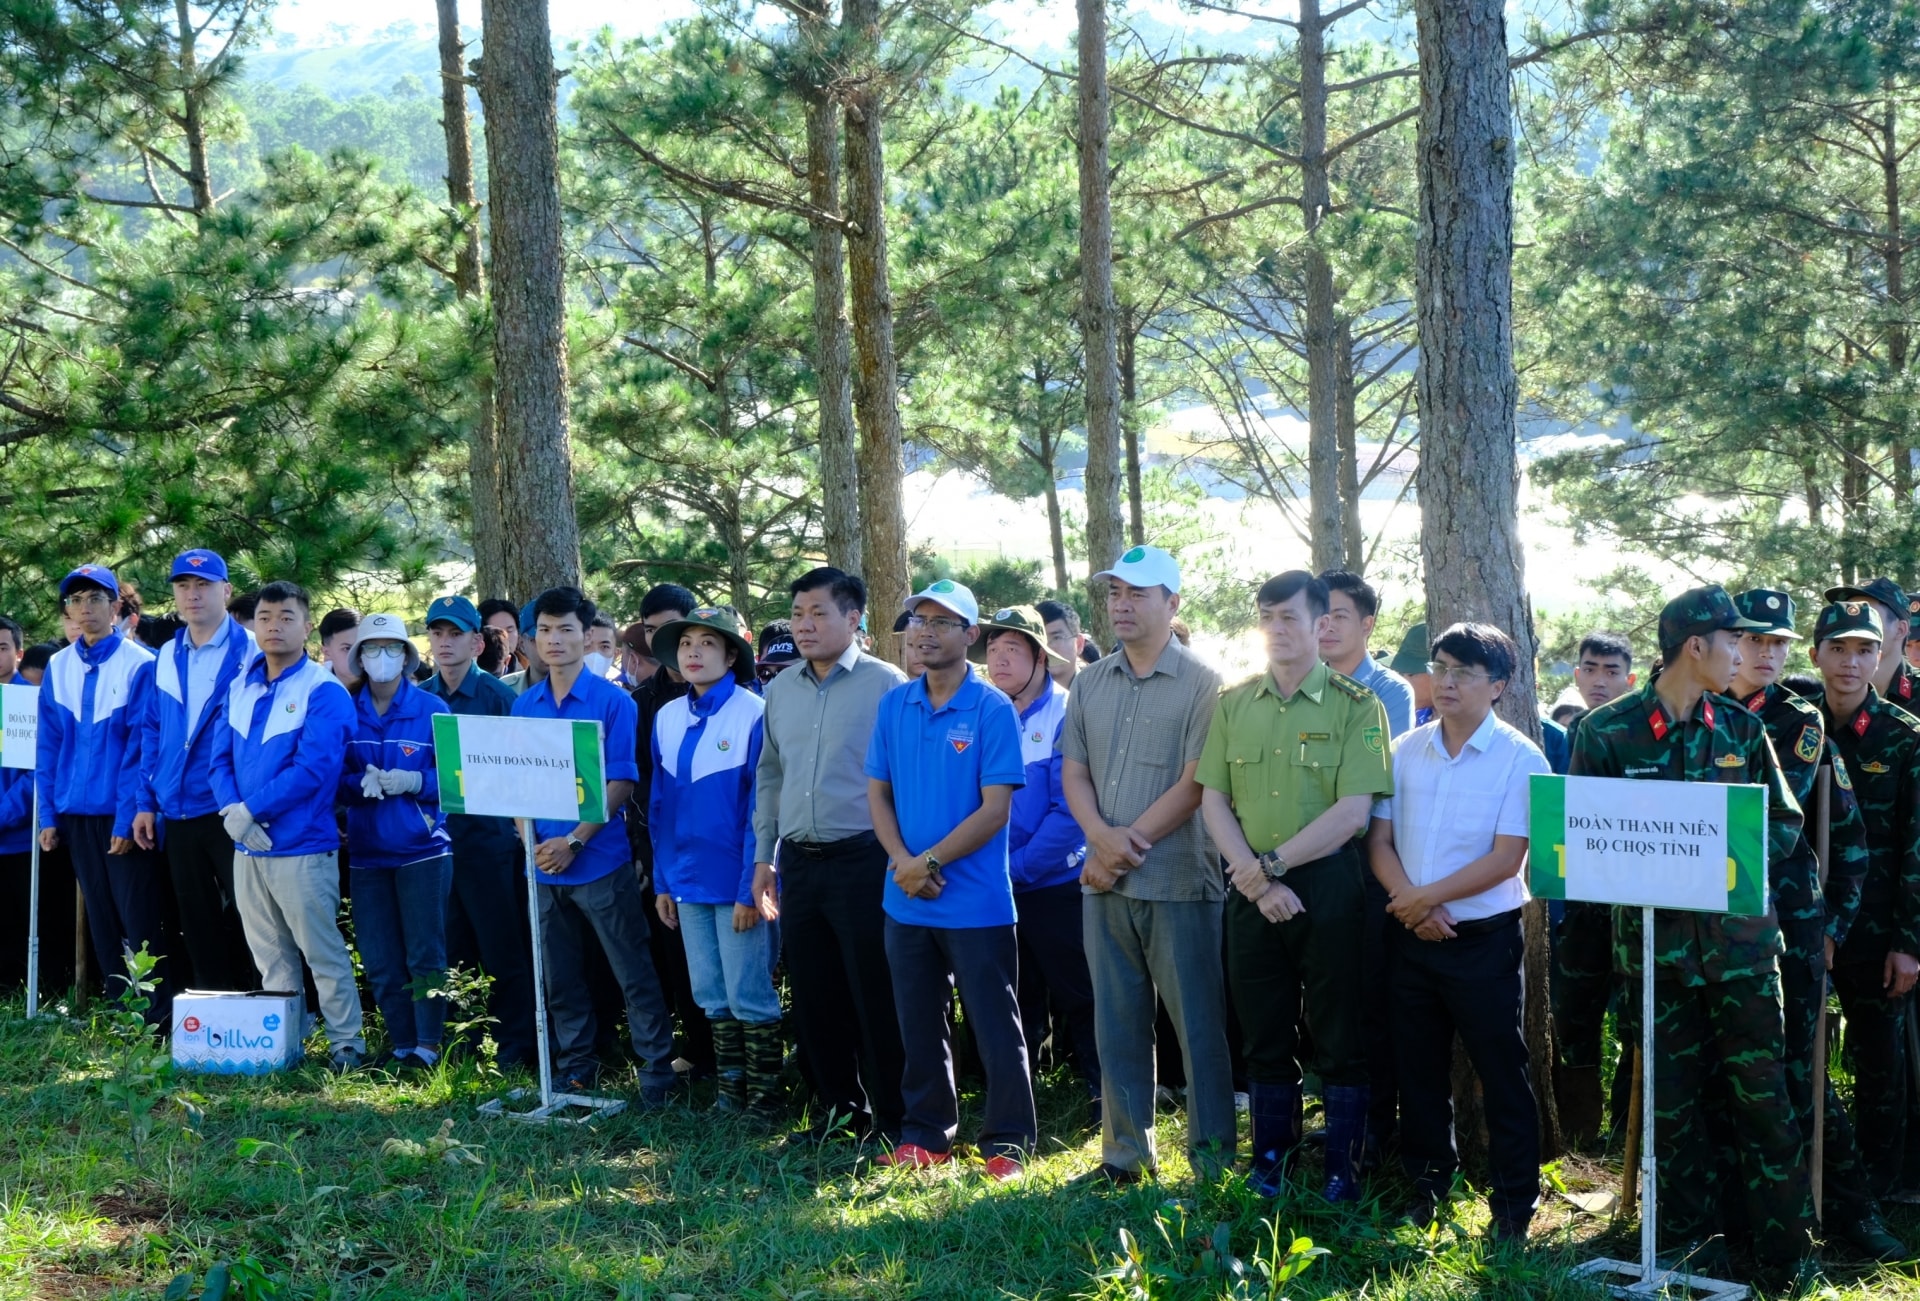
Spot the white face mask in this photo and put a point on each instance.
(596, 664)
(382, 663)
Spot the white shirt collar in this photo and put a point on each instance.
(1481, 739)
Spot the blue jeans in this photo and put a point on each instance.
(732, 971)
(400, 921)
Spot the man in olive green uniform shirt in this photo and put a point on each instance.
(1289, 773)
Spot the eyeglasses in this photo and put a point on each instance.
(85, 598)
(936, 622)
(1455, 673)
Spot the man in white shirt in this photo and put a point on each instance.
(1449, 847)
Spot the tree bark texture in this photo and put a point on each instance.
(1325, 513)
(876, 381)
(193, 122)
(1098, 320)
(1467, 390)
(1130, 327)
(832, 342)
(1346, 433)
(541, 536)
(483, 453)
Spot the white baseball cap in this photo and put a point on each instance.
(1145, 567)
(949, 594)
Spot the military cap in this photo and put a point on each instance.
(1855, 618)
(1411, 659)
(1022, 619)
(1701, 611)
(1883, 590)
(1767, 606)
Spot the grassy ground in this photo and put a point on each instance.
(310, 1186)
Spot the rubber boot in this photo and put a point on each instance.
(765, 1055)
(730, 1063)
(1346, 1137)
(1274, 1110)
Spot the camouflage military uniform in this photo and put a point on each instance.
(1716, 986)
(1881, 747)
(1584, 983)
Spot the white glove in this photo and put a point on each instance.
(400, 781)
(238, 818)
(370, 784)
(256, 839)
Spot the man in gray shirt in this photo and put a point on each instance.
(1136, 723)
(826, 879)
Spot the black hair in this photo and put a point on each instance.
(131, 602)
(243, 605)
(36, 657)
(1574, 713)
(1480, 645)
(773, 630)
(1060, 612)
(848, 591)
(1605, 646)
(493, 650)
(601, 619)
(1365, 600)
(557, 602)
(1282, 588)
(279, 593)
(499, 605)
(1805, 685)
(156, 630)
(664, 598)
(334, 621)
(19, 633)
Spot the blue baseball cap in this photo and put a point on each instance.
(98, 575)
(456, 610)
(949, 595)
(199, 563)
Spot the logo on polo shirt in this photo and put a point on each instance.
(1036, 734)
(960, 736)
(724, 744)
(408, 750)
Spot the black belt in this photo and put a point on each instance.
(831, 848)
(1481, 925)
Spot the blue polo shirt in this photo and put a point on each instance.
(592, 699)
(482, 694)
(937, 762)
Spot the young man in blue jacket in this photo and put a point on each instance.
(1045, 847)
(92, 703)
(177, 810)
(941, 768)
(588, 886)
(277, 755)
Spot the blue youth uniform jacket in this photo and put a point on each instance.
(705, 753)
(397, 829)
(92, 702)
(177, 751)
(1044, 843)
(278, 749)
(16, 802)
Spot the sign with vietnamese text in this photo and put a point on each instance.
(553, 769)
(20, 704)
(1699, 846)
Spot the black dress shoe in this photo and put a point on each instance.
(1105, 1175)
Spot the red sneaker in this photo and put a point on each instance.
(1004, 1169)
(912, 1154)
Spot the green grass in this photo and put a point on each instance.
(294, 1182)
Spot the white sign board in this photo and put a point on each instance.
(552, 769)
(20, 703)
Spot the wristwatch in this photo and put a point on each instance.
(933, 867)
(575, 845)
(1271, 864)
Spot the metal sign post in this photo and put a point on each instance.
(33, 913)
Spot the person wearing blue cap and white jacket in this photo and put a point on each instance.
(178, 813)
(277, 755)
(92, 704)
(401, 853)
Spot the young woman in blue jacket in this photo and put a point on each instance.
(401, 853)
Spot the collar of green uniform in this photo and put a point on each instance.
(1313, 686)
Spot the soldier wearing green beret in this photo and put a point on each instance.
(1813, 919)
(1874, 970)
(1716, 977)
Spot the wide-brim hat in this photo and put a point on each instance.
(1023, 619)
(382, 627)
(666, 642)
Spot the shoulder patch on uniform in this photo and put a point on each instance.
(1841, 777)
(1807, 748)
(1347, 687)
(1375, 740)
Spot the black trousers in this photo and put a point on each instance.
(487, 928)
(1376, 988)
(833, 936)
(1471, 985)
(1055, 988)
(928, 963)
(126, 904)
(200, 864)
(1307, 967)
(56, 921)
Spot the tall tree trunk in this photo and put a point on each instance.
(1130, 328)
(1467, 390)
(483, 454)
(192, 112)
(876, 382)
(517, 83)
(1346, 430)
(1098, 332)
(1894, 255)
(832, 340)
(1325, 514)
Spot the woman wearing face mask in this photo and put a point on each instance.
(402, 864)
